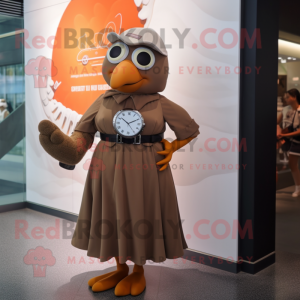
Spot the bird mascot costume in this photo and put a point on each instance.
(129, 207)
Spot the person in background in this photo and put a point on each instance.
(285, 118)
(293, 99)
(3, 110)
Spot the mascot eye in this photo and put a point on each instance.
(143, 58)
(117, 52)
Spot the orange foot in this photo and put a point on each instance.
(109, 280)
(133, 284)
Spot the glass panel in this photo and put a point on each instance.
(288, 78)
(12, 175)
(9, 24)
(12, 115)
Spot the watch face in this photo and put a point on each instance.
(128, 123)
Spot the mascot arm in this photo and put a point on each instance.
(185, 128)
(66, 149)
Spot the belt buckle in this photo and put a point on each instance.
(134, 140)
(119, 139)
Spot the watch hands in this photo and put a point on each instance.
(130, 127)
(133, 121)
(127, 123)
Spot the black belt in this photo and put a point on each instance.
(139, 139)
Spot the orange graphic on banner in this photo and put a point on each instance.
(80, 47)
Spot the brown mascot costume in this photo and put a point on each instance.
(129, 209)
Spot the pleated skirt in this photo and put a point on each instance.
(129, 208)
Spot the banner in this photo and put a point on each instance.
(65, 44)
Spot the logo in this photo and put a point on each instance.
(95, 165)
(39, 258)
(41, 69)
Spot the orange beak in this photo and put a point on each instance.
(126, 77)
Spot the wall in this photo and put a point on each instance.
(292, 70)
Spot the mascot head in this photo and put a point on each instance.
(137, 62)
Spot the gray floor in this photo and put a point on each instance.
(67, 278)
(287, 221)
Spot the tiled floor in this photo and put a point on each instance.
(287, 221)
(67, 277)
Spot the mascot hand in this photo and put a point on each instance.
(170, 148)
(168, 152)
(66, 149)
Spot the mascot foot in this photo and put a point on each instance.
(93, 280)
(133, 284)
(107, 281)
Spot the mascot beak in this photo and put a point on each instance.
(126, 77)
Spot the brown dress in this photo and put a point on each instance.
(129, 208)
